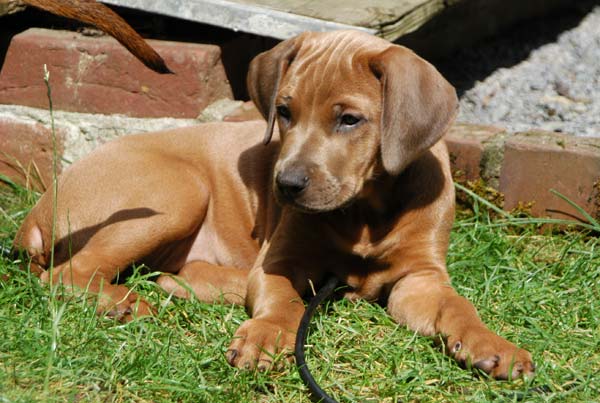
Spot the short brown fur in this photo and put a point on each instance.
(356, 183)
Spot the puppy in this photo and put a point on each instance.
(355, 182)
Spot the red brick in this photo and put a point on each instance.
(26, 153)
(466, 144)
(98, 75)
(536, 162)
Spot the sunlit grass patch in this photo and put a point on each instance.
(540, 290)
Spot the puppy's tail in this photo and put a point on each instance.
(103, 18)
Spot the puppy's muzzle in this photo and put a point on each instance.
(292, 182)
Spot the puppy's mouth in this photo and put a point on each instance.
(319, 200)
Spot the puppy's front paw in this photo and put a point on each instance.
(257, 342)
(481, 348)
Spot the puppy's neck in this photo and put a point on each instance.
(377, 194)
(367, 220)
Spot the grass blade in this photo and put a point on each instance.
(579, 209)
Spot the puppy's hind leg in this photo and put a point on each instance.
(208, 282)
(85, 271)
(91, 272)
(127, 237)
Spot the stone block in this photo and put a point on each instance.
(98, 75)
(26, 153)
(466, 145)
(536, 162)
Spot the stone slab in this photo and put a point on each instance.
(25, 129)
(390, 19)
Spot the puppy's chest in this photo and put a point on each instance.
(367, 246)
(368, 239)
(365, 253)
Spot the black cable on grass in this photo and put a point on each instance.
(325, 292)
(8, 252)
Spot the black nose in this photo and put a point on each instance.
(292, 181)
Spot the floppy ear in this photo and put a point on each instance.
(418, 106)
(265, 73)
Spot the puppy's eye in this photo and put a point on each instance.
(284, 112)
(350, 120)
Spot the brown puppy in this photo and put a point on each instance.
(363, 190)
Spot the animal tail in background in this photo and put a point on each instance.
(97, 14)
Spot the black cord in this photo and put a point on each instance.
(325, 292)
(8, 252)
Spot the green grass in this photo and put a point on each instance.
(540, 291)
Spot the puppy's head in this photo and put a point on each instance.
(348, 105)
